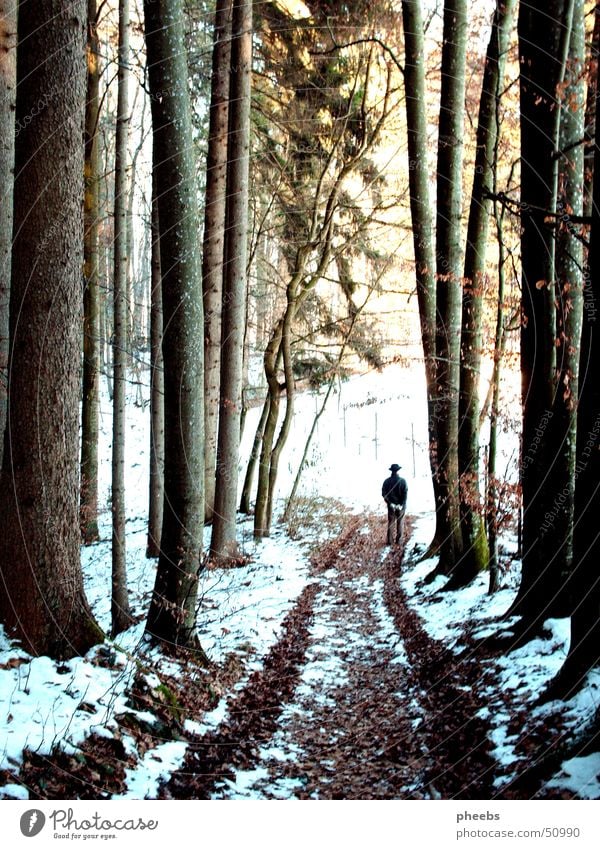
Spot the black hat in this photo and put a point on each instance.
(394, 467)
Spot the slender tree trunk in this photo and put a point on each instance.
(88, 507)
(223, 541)
(121, 617)
(157, 390)
(172, 614)
(491, 499)
(214, 240)
(42, 602)
(335, 372)
(421, 216)
(135, 311)
(449, 278)
(254, 456)
(569, 289)
(286, 424)
(8, 54)
(262, 519)
(476, 552)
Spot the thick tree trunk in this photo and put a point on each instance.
(223, 541)
(157, 390)
(88, 507)
(584, 650)
(214, 241)
(42, 602)
(172, 614)
(476, 552)
(449, 268)
(8, 55)
(119, 604)
(541, 26)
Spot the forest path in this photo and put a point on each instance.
(353, 702)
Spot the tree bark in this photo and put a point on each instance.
(254, 456)
(214, 241)
(584, 649)
(42, 602)
(421, 216)
(541, 36)
(88, 508)
(8, 54)
(172, 614)
(569, 301)
(223, 541)
(157, 390)
(121, 617)
(476, 551)
(449, 278)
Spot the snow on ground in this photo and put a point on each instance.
(371, 421)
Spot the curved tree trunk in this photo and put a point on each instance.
(262, 518)
(42, 602)
(286, 424)
(254, 455)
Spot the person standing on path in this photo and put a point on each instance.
(395, 491)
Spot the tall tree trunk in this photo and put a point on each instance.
(449, 267)
(214, 240)
(569, 292)
(233, 316)
(8, 55)
(88, 507)
(119, 604)
(42, 602)
(157, 390)
(421, 215)
(584, 650)
(476, 552)
(172, 614)
(492, 495)
(541, 36)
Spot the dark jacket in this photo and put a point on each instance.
(395, 490)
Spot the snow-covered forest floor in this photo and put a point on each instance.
(336, 671)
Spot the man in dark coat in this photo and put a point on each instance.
(395, 491)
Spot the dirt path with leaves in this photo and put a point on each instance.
(353, 702)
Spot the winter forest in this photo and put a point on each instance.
(252, 255)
